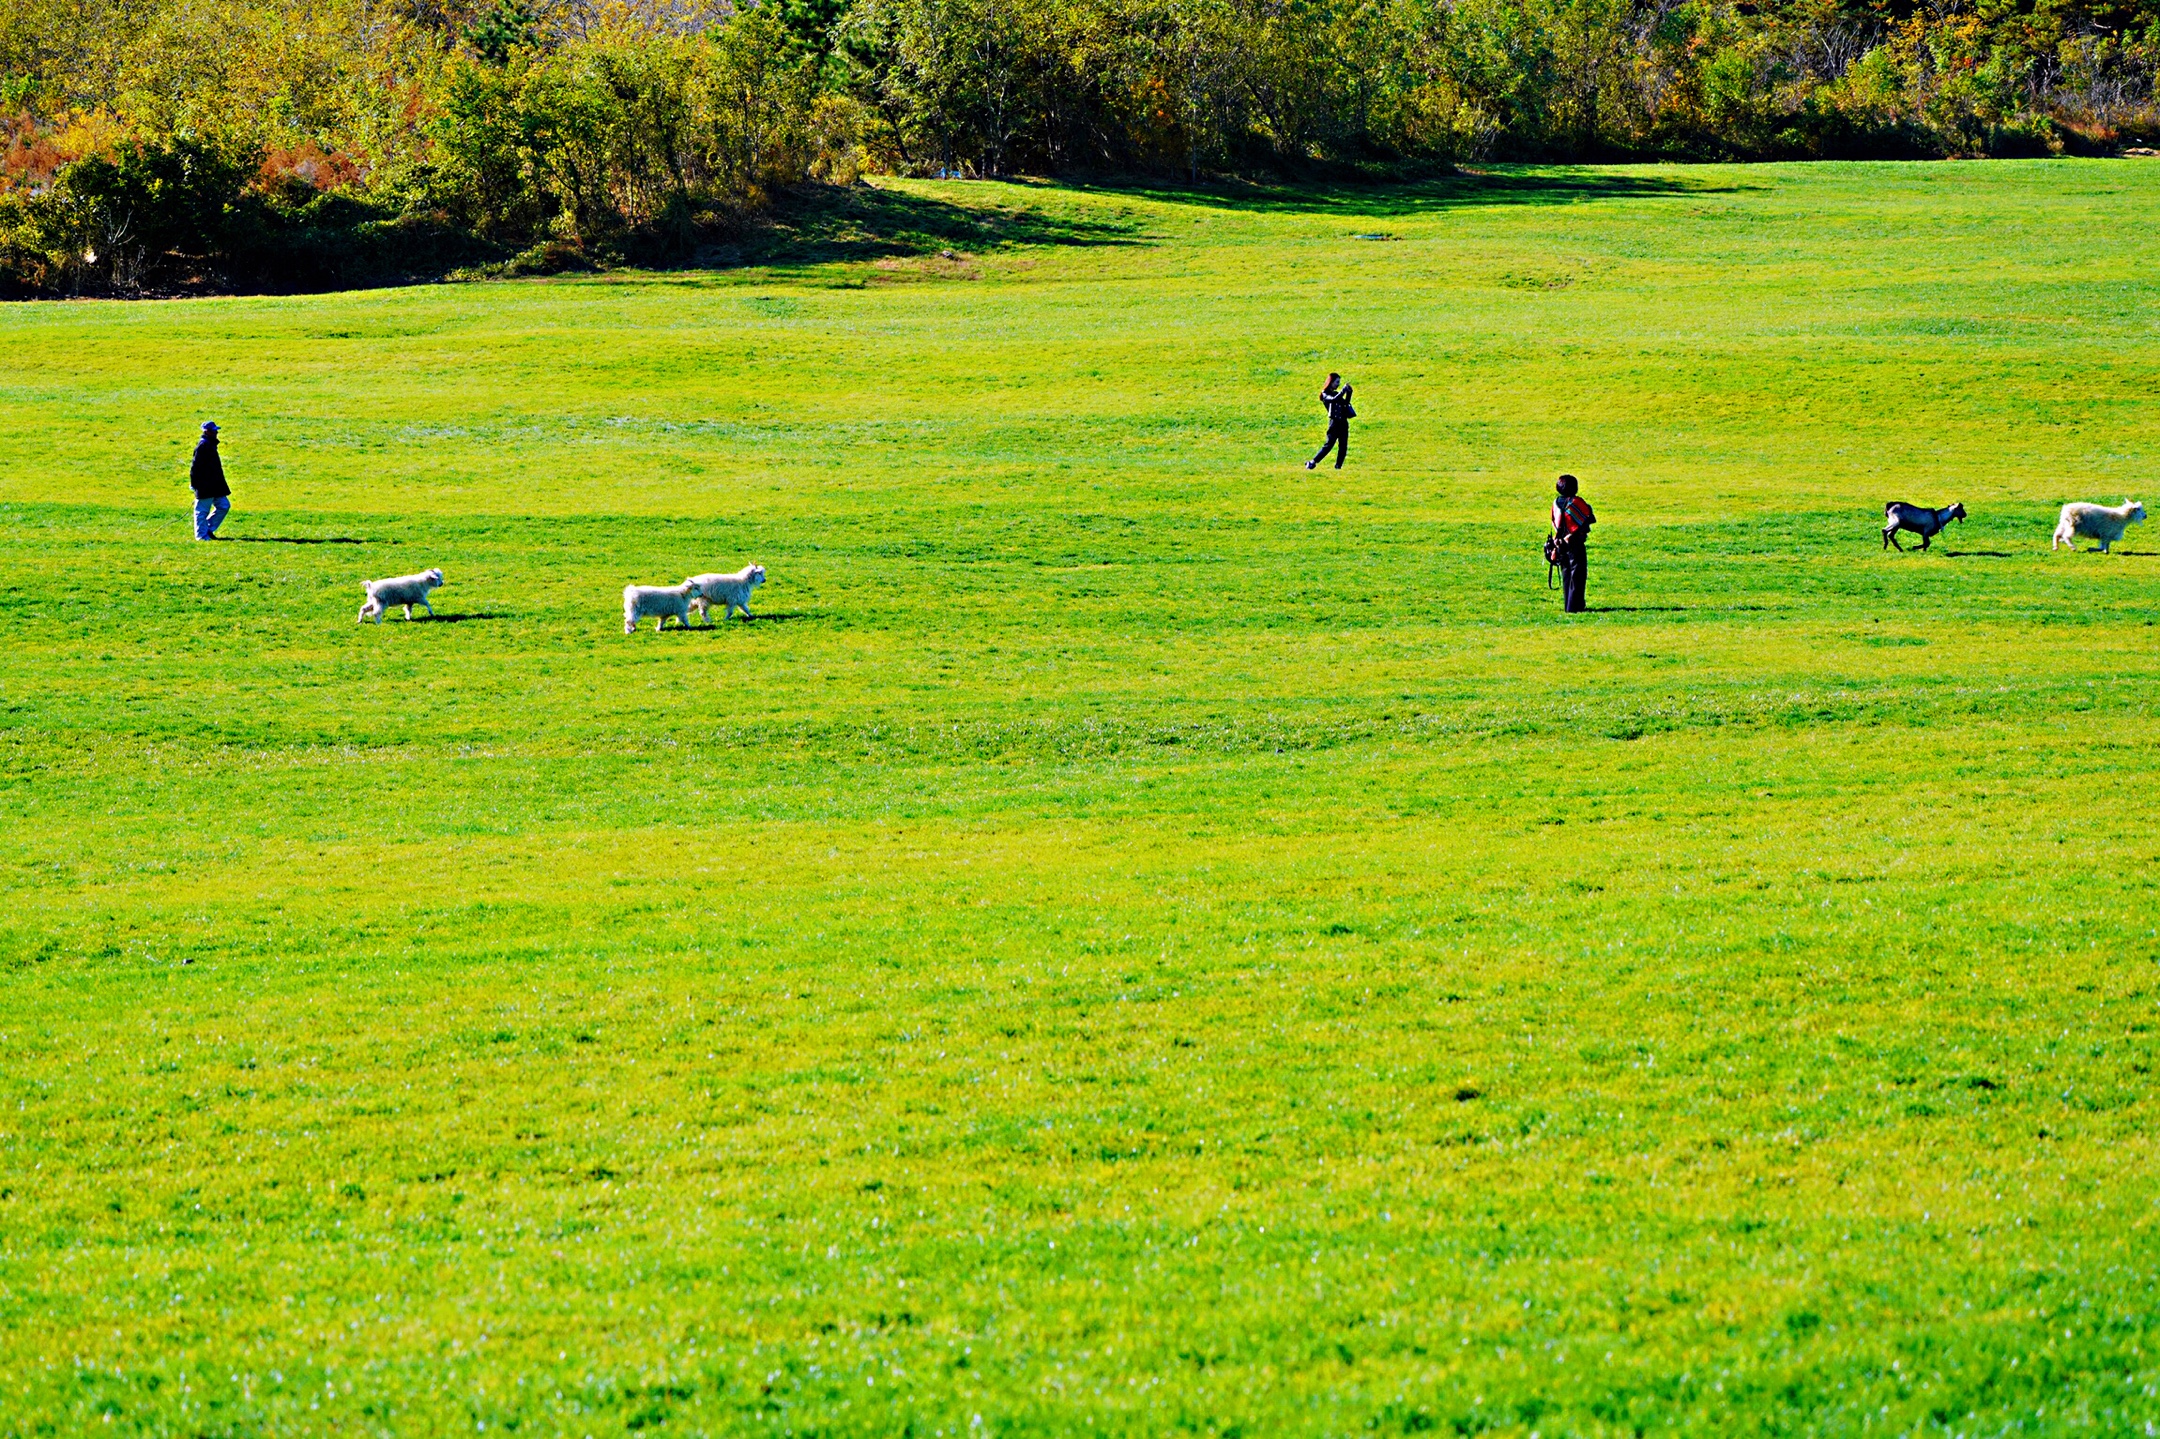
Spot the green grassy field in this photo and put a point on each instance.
(1136, 938)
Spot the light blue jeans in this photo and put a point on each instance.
(209, 514)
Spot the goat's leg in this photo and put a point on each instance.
(1892, 537)
(1926, 539)
(430, 608)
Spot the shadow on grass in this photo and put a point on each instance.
(1975, 554)
(457, 619)
(1508, 185)
(827, 224)
(776, 618)
(300, 540)
(1639, 609)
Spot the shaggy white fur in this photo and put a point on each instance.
(406, 590)
(730, 592)
(2104, 523)
(639, 601)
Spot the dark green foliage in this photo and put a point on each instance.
(182, 199)
(148, 214)
(183, 215)
(812, 22)
(505, 28)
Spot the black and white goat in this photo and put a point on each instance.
(1922, 521)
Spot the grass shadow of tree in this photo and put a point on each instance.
(828, 224)
(1378, 199)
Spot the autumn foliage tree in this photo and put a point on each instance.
(161, 144)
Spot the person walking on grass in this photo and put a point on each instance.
(1569, 545)
(1335, 395)
(206, 476)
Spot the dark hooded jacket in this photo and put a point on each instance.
(207, 475)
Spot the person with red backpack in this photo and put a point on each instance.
(1568, 545)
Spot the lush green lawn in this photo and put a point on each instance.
(1137, 937)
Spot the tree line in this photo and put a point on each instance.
(154, 145)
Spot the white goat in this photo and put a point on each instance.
(2104, 523)
(639, 601)
(406, 590)
(730, 592)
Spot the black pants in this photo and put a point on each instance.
(1338, 434)
(1574, 577)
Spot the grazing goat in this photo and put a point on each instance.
(730, 592)
(1922, 521)
(639, 601)
(2104, 523)
(406, 590)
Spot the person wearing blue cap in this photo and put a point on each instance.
(206, 476)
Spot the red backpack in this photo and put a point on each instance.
(1577, 518)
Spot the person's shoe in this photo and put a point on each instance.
(1312, 464)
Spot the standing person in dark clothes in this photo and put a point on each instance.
(1336, 396)
(206, 476)
(1570, 545)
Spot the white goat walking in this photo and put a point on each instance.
(730, 592)
(639, 601)
(2104, 523)
(406, 590)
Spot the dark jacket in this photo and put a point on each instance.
(1338, 407)
(207, 475)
